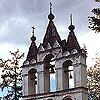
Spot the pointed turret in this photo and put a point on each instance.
(51, 33)
(72, 42)
(32, 53)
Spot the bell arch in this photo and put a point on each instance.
(32, 81)
(49, 71)
(68, 76)
(67, 98)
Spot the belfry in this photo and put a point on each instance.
(64, 60)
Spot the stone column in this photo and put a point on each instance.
(25, 84)
(80, 75)
(43, 79)
(40, 82)
(59, 74)
(62, 75)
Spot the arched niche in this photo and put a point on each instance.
(49, 73)
(68, 75)
(32, 81)
(67, 98)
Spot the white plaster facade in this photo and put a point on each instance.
(79, 92)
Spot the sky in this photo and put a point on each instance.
(18, 16)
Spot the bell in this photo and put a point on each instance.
(52, 70)
(70, 76)
(34, 76)
(35, 82)
(52, 66)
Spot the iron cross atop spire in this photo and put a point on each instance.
(33, 29)
(51, 16)
(71, 19)
(71, 27)
(33, 38)
(50, 7)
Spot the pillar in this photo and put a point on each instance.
(25, 83)
(43, 79)
(80, 73)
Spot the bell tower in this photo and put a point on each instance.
(65, 59)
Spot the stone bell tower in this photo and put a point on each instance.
(65, 59)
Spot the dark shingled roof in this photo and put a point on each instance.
(32, 53)
(51, 35)
(72, 42)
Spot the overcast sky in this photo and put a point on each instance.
(18, 16)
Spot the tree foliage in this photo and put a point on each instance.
(94, 21)
(11, 76)
(94, 80)
(97, 0)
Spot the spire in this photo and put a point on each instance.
(51, 35)
(72, 42)
(51, 16)
(32, 53)
(71, 27)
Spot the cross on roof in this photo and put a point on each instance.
(50, 7)
(33, 29)
(71, 19)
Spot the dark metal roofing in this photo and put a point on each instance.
(72, 42)
(51, 35)
(32, 53)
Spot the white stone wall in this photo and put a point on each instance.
(80, 79)
(74, 94)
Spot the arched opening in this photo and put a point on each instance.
(32, 82)
(49, 73)
(67, 98)
(68, 75)
(52, 72)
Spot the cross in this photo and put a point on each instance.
(50, 7)
(33, 29)
(71, 18)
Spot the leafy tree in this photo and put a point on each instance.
(11, 76)
(94, 72)
(94, 21)
(97, 0)
(94, 80)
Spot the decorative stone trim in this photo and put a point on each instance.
(58, 93)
